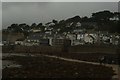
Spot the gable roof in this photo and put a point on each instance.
(35, 36)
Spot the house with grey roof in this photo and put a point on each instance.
(19, 41)
(36, 39)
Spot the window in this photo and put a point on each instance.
(28, 40)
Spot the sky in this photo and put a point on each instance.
(36, 12)
(119, 6)
(60, 0)
(0, 15)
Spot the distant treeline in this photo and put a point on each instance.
(105, 21)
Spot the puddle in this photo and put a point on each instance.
(14, 65)
(9, 64)
(14, 54)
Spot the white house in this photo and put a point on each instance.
(35, 30)
(115, 40)
(71, 36)
(49, 24)
(114, 19)
(48, 32)
(1, 43)
(80, 36)
(30, 44)
(19, 43)
(78, 24)
(89, 39)
(78, 31)
(106, 39)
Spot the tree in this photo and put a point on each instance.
(102, 15)
(74, 19)
(117, 15)
(61, 22)
(85, 19)
(40, 24)
(14, 26)
(42, 28)
(33, 25)
(9, 28)
(54, 21)
(24, 27)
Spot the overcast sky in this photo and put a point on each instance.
(60, 0)
(29, 12)
(0, 15)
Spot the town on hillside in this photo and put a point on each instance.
(77, 47)
(101, 28)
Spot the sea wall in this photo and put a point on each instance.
(56, 49)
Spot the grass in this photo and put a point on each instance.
(44, 67)
(91, 57)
